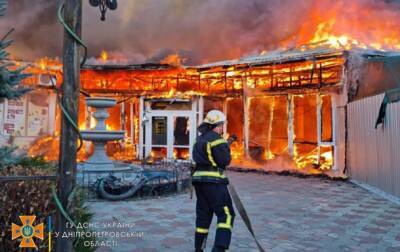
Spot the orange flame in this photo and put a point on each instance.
(335, 28)
(104, 56)
(173, 60)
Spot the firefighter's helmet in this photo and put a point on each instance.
(215, 117)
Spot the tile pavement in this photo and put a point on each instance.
(288, 214)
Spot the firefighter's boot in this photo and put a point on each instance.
(200, 241)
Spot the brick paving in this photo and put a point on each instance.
(288, 214)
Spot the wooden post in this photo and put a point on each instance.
(201, 111)
(335, 125)
(68, 142)
(270, 124)
(140, 153)
(225, 110)
(290, 109)
(319, 126)
(123, 118)
(246, 118)
(132, 121)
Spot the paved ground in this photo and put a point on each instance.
(288, 214)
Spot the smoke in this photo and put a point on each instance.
(198, 31)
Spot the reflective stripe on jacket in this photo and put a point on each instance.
(211, 153)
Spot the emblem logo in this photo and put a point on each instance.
(27, 231)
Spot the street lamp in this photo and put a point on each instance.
(103, 5)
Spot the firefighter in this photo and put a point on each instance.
(211, 153)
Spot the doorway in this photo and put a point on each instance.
(169, 129)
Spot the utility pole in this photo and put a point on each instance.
(70, 98)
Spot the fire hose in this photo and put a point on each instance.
(243, 213)
(112, 183)
(102, 192)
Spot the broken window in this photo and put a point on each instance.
(326, 118)
(268, 127)
(305, 129)
(181, 130)
(181, 137)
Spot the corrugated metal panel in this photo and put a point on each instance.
(373, 155)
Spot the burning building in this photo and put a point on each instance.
(287, 107)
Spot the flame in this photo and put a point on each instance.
(304, 161)
(42, 64)
(93, 122)
(173, 60)
(327, 160)
(269, 155)
(334, 27)
(48, 147)
(171, 93)
(46, 63)
(183, 153)
(104, 56)
(109, 127)
(323, 35)
(82, 126)
(237, 151)
(126, 153)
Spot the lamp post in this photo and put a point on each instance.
(70, 98)
(103, 5)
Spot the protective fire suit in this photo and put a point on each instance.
(212, 154)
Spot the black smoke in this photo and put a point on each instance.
(198, 30)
